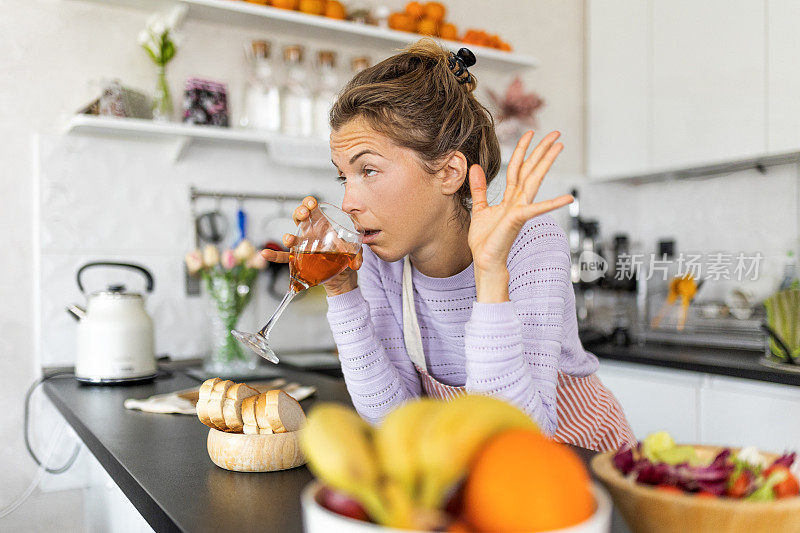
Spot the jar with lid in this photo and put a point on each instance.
(327, 86)
(261, 108)
(359, 63)
(296, 95)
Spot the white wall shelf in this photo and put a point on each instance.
(317, 27)
(282, 149)
(289, 151)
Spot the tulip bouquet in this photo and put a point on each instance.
(229, 278)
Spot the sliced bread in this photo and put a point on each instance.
(250, 426)
(216, 401)
(232, 408)
(202, 401)
(279, 411)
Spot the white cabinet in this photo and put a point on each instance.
(709, 97)
(705, 409)
(783, 75)
(740, 412)
(618, 64)
(675, 84)
(655, 399)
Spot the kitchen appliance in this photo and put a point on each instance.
(115, 333)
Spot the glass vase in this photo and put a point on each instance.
(229, 298)
(162, 100)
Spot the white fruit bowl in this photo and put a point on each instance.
(318, 519)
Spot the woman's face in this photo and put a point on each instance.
(387, 190)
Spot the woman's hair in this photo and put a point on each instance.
(415, 99)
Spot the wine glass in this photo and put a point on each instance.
(328, 240)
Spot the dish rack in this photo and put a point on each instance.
(708, 324)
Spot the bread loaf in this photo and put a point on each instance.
(232, 408)
(279, 411)
(216, 402)
(250, 426)
(202, 401)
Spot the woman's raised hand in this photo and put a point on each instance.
(493, 228)
(341, 283)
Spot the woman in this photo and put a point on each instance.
(454, 295)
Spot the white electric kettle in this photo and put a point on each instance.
(115, 334)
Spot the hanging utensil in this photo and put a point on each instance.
(241, 222)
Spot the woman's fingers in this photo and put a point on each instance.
(512, 175)
(275, 256)
(532, 181)
(357, 261)
(289, 240)
(537, 154)
(303, 210)
(539, 208)
(477, 187)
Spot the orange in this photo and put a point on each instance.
(402, 22)
(415, 9)
(285, 4)
(435, 10)
(312, 7)
(523, 481)
(448, 31)
(259, 2)
(335, 10)
(428, 26)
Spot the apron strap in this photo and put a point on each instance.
(411, 332)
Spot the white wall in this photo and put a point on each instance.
(60, 197)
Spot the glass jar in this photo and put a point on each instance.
(327, 86)
(261, 108)
(296, 96)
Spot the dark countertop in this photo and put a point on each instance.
(161, 464)
(721, 361)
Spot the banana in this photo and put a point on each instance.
(449, 443)
(338, 446)
(396, 438)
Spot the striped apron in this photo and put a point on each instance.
(589, 416)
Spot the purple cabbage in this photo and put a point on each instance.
(785, 460)
(712, 478)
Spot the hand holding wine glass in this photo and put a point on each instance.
(329, 241)
(343, 282)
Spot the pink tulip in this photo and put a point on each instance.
(257, 261)
(228, 260)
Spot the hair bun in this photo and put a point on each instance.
(459, 64)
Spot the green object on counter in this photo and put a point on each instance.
(766, 492)
(783, 316)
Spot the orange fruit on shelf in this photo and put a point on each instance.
(478, 37)
(415, 9)
(259, 2)
(448, 31)
(435, 10)
(312, 7)
(285, 4)
(335, 10)
(523, 481)
(428, 26)
(402, 22)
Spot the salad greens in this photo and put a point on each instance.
(746, 474)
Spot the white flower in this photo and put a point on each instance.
(244, 251)
(158, 28)
(152, 19)
(176, 16)
(194, 261)
(210, 256)
(144, 37)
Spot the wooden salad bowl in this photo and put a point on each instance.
(647, 509)
(255, 453)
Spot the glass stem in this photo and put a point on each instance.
(277, 314)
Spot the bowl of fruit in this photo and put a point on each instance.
(471, 464)
(659, 486)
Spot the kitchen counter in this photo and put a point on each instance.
(721, 361)
(161, 464)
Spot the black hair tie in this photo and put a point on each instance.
(459, 64)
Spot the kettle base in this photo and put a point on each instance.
(117, 381)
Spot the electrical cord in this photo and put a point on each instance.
(26, 425)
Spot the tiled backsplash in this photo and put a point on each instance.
(125, 200)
